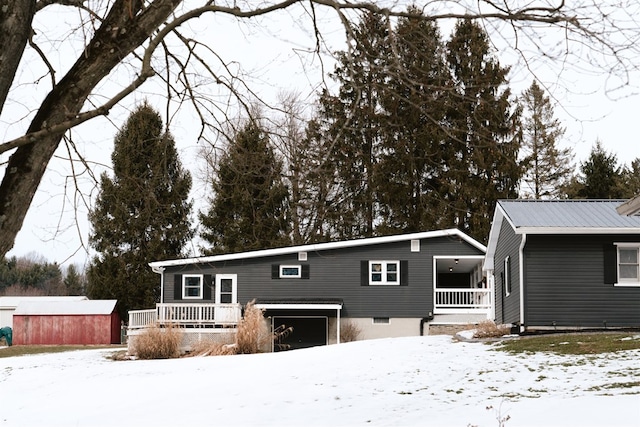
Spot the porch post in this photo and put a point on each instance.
(337, 326)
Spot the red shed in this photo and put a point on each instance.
(68, 322)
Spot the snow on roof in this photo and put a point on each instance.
(83, 307)
(13, 301)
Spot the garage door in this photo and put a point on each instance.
(307, 331)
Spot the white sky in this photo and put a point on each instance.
(273, 54)
(416, 381)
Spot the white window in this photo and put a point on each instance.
(384, 272)
(507, 276)
(192, 286)
(628, 264)
(290, 271)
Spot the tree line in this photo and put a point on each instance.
(421, 133)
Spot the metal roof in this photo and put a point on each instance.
(567, 216)
(13, 301)
(159, 265)
(83, 307)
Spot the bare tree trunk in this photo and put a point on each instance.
(125, 28)
(15, 29)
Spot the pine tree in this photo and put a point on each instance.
(600, 177)
(484, 132)
(409, 180)
(73, 281)
(350, 125)
(249, 207)
(141, 214)
(547, 168)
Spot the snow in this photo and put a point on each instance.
(416, 381)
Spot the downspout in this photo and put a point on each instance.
(160, 271)
(521, 278)
(423, 321)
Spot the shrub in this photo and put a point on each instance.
(158, 343)
(488, 329)
(349, 331)
(216, 348)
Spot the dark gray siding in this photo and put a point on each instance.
(336, 274)
(507, 307)
(565, 284)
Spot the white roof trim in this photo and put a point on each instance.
(494, 234)
(299, 306)
(576, 230)
(320, 247)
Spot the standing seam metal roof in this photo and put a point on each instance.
(567, 214)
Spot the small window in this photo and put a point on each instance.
(507, 276)
(302, 256)
(384, 272)
(381, 321)
(415, 246)
(192, 286)
(290, 271)
(628, 265)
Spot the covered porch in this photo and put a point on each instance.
(460, 288)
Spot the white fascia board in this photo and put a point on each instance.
(321, 247)
(576, 230)
(494, 234)
(283, 306)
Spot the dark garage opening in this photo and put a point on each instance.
(308, 331)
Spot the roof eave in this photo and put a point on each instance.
(577, 230)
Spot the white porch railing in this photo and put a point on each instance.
(463, 301)
(186, 315)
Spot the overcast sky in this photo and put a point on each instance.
(274, 56)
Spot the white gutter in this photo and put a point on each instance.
(521, 277)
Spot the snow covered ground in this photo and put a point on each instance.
(419, 381)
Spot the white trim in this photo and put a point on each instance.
(383, 273)
(289, 276)
(415, 245)
(521, 279)
(628, 282)
(452, 232)
(184, 288)
(234, 287)
(494, 235)
(285, 306)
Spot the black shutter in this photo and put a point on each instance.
(275, 271)
(305, 271)
(177, 287)
(610, 264)
(364, 273)
(207, 288)
(404, 273)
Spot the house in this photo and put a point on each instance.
(9, 304)
(565, 264)
(387, 286)
(81, 322)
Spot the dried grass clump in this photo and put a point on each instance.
(349, 332)
(488, 329)
(158, 343)
(208, 348)
(252, 335)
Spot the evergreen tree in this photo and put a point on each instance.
(141, 214)
(484, 132)
(351, 125)
(631, 180)
(547, 168)
(249, 207)
(600, 177)
(409, 182)
(73, 281)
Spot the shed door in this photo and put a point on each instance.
(226, 294)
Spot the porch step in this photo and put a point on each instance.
(457, 319)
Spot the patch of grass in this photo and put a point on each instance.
(573, 343)
(25, 350)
